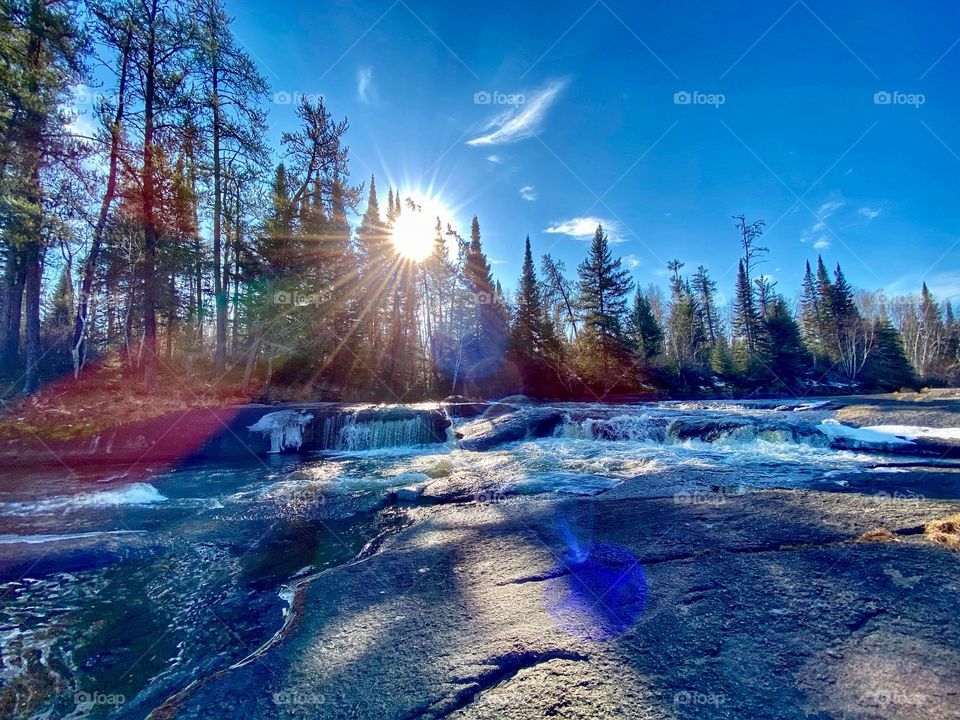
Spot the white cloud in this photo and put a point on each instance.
(828, 209)
(524, 121)
(868, 213)
(814, 234)
(365, 90)
(584, 228)
(527, 192)
(495, 159)
(631, 261)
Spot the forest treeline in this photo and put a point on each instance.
(169, 239)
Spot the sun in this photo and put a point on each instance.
(414, 232)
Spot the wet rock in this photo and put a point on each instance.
(529, 422)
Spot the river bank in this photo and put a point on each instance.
(675, 559)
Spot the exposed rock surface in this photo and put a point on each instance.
(759, 605)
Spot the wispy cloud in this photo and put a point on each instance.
(583, 228)
(365, 90)
(868, 213)
(523, 122)
(495, 159)
(528, 193)
(814, 235)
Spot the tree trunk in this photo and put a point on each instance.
(79, 349)
(13, 281)
(219, 292)
(148, 196)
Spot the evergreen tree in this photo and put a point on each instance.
(705, 290)
(532, 340)
(788, 356)
(642, 330)
(603, 287)
(811, 316)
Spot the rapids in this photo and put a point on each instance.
(119, 589)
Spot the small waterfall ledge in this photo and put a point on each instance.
(240, 432)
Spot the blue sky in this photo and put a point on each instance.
(784, 123)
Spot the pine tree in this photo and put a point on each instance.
(532, 340)
(705, 290)
(788, 356)
(603, 287)
(642, 330)
(811, 316)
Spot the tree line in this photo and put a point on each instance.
(168, 239)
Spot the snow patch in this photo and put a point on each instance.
(865, 438)
(914, 432)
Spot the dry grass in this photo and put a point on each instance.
(877, 535)
(105, 397)
(945, 531)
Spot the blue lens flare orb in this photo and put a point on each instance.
(599, 592)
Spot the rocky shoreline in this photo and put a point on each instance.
(831, 602)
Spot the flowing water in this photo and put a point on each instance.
(118, 590)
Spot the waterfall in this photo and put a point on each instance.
(374, 434)
(367, 430)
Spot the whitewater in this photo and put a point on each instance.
(163, 560)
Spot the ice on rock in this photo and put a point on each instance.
(285, 428)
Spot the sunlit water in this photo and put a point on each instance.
(116, 591)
